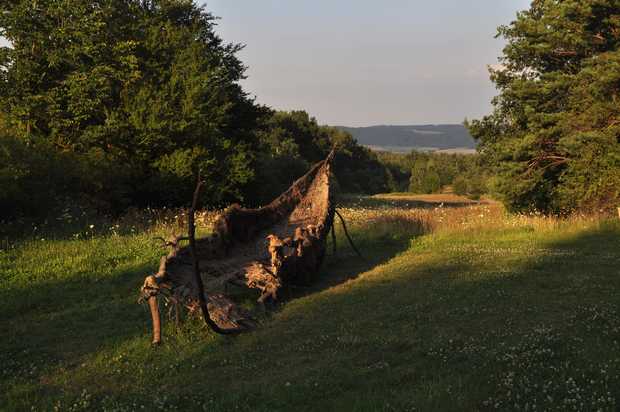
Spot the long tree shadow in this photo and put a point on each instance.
(451, 326)
(449, 332)
(342, 263)
(56, 324)
(521, 323)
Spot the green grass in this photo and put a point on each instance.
(517, 314)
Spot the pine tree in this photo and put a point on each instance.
(554, 133)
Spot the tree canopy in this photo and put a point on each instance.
(141, 91)
(117, 103)
(292, 141)
(431, 172)
(554, 134)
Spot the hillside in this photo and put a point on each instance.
(406, 138)
(457, 306)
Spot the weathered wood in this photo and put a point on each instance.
(156, 319)
(262, 249)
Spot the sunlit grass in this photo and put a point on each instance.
(453, 308)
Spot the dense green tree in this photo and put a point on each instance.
(356, 167)
(429, 172)
(279, 160)
(30, 180)
(142, 91)
(432, 182)
(425, 177)
(554, 133)
(312, 140)
(292, 141)
(418, 172)
(459, 186)
(117, 103)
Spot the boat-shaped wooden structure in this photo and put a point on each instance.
(263, 249)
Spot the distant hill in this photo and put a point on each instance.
(452, 137)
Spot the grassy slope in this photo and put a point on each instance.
(486, 312)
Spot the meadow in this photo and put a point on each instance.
(457, 305)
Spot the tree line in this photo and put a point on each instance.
(434, 172)
(553, 138)
(117, 103)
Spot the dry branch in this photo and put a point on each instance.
(346, 233)
(196, 265)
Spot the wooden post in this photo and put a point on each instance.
(154, 306)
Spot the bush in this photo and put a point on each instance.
(460, 186)
(476, 187)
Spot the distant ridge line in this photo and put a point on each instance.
(416, 137)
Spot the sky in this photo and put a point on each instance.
(369, 62)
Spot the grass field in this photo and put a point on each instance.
(458, 306)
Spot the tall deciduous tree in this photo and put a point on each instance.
(555, 129)
(141, 90)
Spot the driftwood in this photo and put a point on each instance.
(263, 249)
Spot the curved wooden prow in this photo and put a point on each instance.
(237, 253)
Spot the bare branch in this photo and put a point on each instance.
(196, 264)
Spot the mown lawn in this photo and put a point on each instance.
(454, 309)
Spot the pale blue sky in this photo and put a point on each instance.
(365, 62)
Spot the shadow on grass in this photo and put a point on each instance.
(428, 330)
(376, 247)
(446, 332)
(55, 325)
(522, 323)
